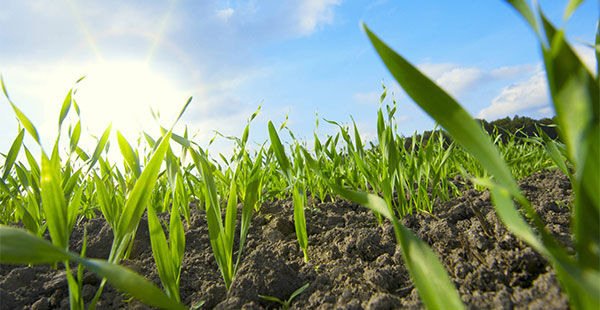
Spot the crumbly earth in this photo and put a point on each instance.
(354, 262)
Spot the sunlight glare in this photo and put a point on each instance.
(122, 93)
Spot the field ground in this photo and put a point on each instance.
(354, 263)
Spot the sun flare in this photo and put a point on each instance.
(122, 93)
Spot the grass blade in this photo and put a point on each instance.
(445, 110)
(22, 118)
(75, 137)
(100, 147)
(299, 219)
(53, 202)
(280, 152)
(142, 190)
(176, 235)
(132, 283)
(64, 110)
(12, 154)
(162, 255)
(129, 155)
(19, 247)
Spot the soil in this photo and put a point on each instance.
(354, 262)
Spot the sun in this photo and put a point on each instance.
(122, 93)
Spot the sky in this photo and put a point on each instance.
(306, 59)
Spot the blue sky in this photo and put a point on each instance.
(294, 58)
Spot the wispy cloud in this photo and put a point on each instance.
(312, 13)
(225, 14)
(258, 22)
(530, 96)
(459, 80)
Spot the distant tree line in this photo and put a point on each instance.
(526, 125)
(521, 126)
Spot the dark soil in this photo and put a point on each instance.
(354, 262)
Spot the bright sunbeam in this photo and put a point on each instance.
(122, 93)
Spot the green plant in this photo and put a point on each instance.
(575, 95)
(298, 190)
(430, 277)
(222, 234)
(286, 304)
(61, 209)
(19, 247)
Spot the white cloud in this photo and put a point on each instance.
(435, 70)
(527, 96)
(312, 13)
(225, 14)
(531, 95)
(459, 80)
(276, 20)
(453, 78)
(509, 72)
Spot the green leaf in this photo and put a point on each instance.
(149, 139)
(181, 140)
(53, 203)
(100, 147)
(280, 152)
(141, 192)
(555, 154)
(230, 218)
(22, 118)
(129, 155)
(216, 231)
(571, 7)
(252, 192)
(271, 298)
(81, 154)
(64, 110)
(523, 8)
(106, 204)
(576, 96)
(176, 232)
(162, 255)
(20, 247)
(187, 103)
(298, 291)
(75, 137)
(299, 219)
(12, 154)
(73, 209)
(132, 283)
(445, 110)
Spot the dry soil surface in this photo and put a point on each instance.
(354, 262)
